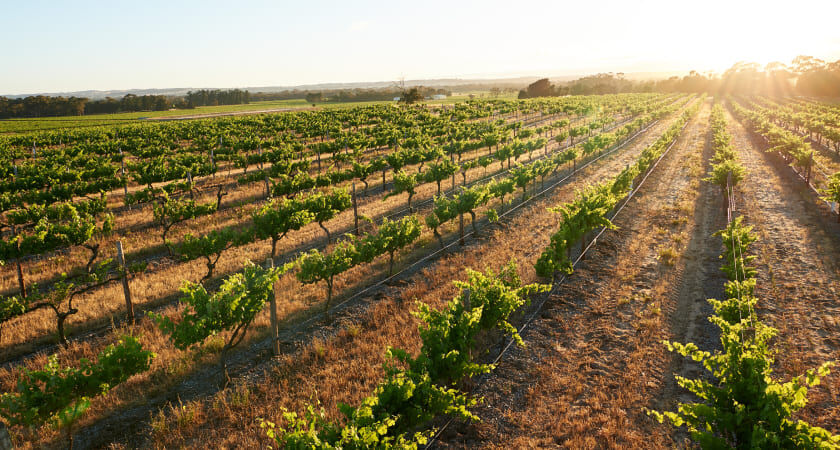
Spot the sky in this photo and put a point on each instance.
(63, 46)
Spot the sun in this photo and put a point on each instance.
(742, 32)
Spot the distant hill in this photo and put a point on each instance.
(517, 83)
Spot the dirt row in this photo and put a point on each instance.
(798, 271)
(594, 358)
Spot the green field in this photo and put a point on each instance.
(52, 123)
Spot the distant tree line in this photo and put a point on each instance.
(805, 75)
(214, 97)
(345, 95)
(411, 96)
(47, 106)
(40, 106)
(129, 103)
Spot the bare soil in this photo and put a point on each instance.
(798, 271)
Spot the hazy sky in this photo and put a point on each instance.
(53, 46)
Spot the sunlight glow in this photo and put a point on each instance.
(94, 45)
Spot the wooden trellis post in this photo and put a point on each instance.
(129, 306)
(355, 211)
(272, 304)
(5, 439)
(122, 173)
(461, 229)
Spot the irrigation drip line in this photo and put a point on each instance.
(737, 253)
